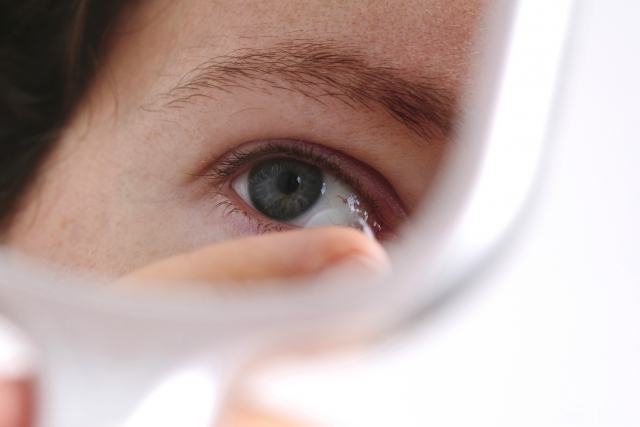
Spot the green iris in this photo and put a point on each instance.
(284, 188)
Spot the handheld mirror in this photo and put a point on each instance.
(420, 136)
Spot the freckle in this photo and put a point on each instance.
(64, 223)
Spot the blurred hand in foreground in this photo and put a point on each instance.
(266, 257)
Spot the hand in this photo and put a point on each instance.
(289, 254)
(16, 398)
(270, 256)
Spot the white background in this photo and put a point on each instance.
(548, 334)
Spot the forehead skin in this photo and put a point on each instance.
(440, 35)
(114, 195)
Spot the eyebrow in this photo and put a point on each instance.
(319, 70)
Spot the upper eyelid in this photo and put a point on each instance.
(237, 159)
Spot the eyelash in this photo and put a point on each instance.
(222, 170)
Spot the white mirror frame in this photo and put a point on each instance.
(510, 166)
(503, 163)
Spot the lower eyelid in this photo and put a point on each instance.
(248, 216)
(248, 211)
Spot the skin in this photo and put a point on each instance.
(119, 191)
(123, 196)
(15, 403)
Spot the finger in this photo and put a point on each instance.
(16, 398)
(240, 414)
(275, 255)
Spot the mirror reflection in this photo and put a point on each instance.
(221, 142)
(165, 127)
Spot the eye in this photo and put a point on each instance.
(284, 183)
(301, 194)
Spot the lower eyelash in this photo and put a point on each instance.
(229, 208)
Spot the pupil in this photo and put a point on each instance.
(288, 182)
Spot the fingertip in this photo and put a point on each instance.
(339, 245)
(295, 253)
(363, 246)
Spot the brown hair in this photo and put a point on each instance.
(49, 51)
